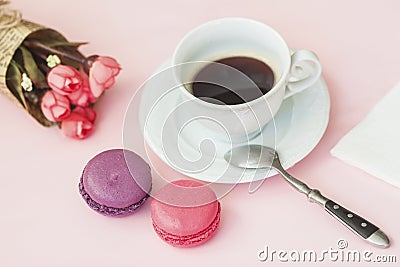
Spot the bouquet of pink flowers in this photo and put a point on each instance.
(51, 79)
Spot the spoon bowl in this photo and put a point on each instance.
(251, 157)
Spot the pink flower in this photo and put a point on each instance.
(83, 96)
(64, 79)
(55, 107)
(89, 113)
(79, 124)
(102, 73)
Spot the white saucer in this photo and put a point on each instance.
(300, 123)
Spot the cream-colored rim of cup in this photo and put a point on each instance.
(282, 78)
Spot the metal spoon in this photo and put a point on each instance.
(256, 156)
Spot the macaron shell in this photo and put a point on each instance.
(186, 193)
(189, 240)
(184, 208)
(183, 221)
(109, 211)
(117, 178)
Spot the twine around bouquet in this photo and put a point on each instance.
(9, 17)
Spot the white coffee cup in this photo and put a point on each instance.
(230, 37)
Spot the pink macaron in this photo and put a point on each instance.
(185, 213)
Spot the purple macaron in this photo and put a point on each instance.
(115, 182)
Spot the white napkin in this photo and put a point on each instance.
(374, 144)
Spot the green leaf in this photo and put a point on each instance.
(13, 80)
(68, 44)
(19, 60)
(47, 37)
(35, 109)
(14, 77)
(74, 52)
(32, 69)
(53, 39)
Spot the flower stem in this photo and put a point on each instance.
(34, 44)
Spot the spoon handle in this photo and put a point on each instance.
(354, 222)
(359, 225)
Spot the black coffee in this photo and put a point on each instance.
(249, 79)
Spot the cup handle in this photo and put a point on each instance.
(304, 71)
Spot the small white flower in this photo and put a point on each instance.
(52, 61)
(26, 83)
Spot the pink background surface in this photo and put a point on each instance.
(44, 221)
